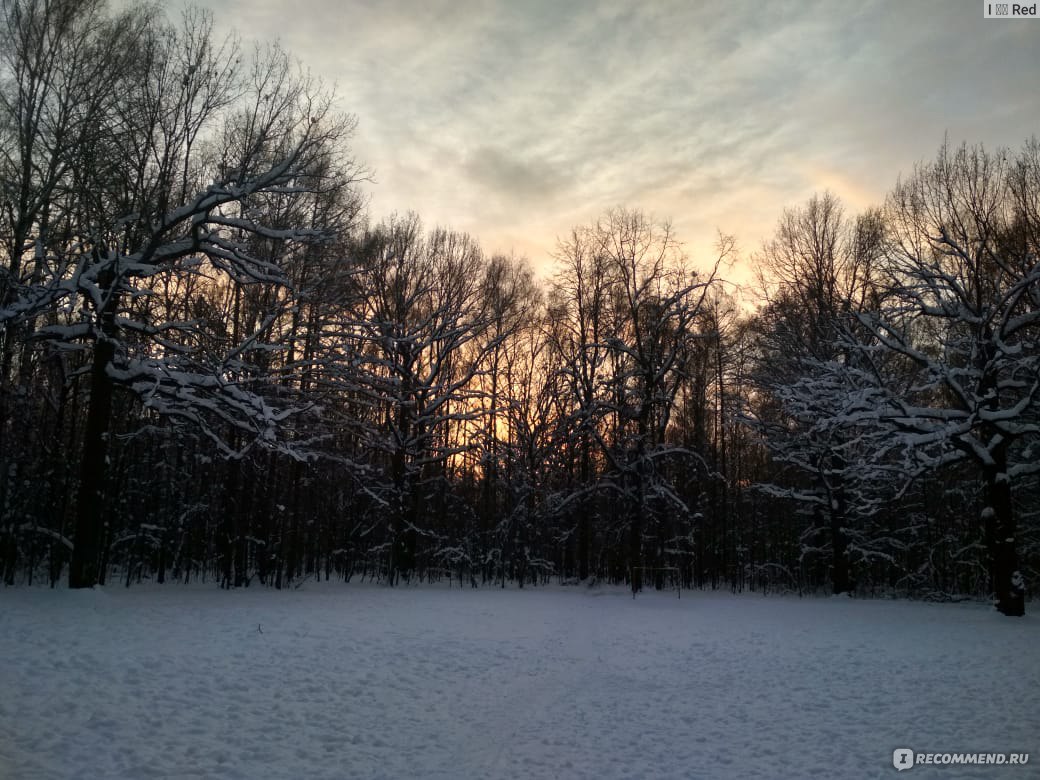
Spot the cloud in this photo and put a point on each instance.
(515, 178)
(517, 120)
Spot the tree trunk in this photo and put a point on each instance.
(84, 569)
(634, 551)
(635, 541)
(584, 524)
(999, 521)
(839, 538)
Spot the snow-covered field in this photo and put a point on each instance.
(344, 681)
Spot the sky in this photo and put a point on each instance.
(515, 120)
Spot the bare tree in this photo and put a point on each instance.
(628, 307)
(819, 268)
(961, 314)
(417, 331)
(161, 156)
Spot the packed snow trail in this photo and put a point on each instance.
(354, 681)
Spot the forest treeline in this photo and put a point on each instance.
(215, 365)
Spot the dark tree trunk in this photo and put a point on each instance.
(839, 538)
(397, 519)
(243, 530)
(10, 554)
(999, 521)
(160, 576)
(229, 524)
(634, 550)
(84, 568)
(584, 524)
(638, 509)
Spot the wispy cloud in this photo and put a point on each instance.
(516, 120)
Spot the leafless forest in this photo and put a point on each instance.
(215, 364)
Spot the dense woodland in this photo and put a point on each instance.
(216, 365)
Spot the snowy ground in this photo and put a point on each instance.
(361, 681)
